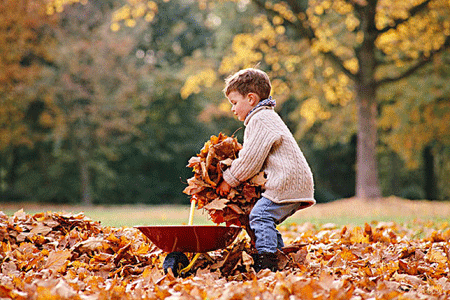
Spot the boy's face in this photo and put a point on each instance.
(241, 105)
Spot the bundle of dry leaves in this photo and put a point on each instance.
(66, 256)
(214, 158)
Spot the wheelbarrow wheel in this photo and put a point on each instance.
(176, 261)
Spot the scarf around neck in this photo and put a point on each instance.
(266, 102)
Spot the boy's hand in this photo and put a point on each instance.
(224, 188)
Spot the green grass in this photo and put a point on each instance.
(360, 221)
(119, 216)
(127, 215)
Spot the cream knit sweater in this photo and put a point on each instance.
(269, 146)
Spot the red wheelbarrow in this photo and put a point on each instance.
(180, 239)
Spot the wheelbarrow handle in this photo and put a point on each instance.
(191, 213)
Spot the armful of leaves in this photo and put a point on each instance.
(208, 166)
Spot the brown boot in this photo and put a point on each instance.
(265, 261)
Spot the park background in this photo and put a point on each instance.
(104, 102)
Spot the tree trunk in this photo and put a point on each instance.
(430, 181)
(367, 185)
(12, 174)
(83, 156)
(85, 179)
(366, 153)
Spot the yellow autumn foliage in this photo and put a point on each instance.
(194, 83)
(132, 11)
(300, 71)
(311, 110)
(19, 34)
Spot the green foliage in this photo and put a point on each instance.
(153, 169)
(120, 114)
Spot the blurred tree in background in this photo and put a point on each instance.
(25, 117)
(337, 56)
(105, 101)
(123, 132)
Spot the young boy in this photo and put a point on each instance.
(268, 146)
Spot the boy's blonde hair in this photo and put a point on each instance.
(249, 81)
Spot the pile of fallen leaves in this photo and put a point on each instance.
(208, 166)
(67, 256)
(64, 254)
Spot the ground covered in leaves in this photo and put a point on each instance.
(68, 256)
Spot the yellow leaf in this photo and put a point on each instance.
(357, 236)
(437, 256)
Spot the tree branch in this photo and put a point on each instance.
(307, 32)
(296, 7)
(405, 74)
(357, 4)
(412, 12)
(417, 66)
(336, 60)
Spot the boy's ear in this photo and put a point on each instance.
(253, 98)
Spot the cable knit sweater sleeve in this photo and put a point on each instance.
(258, 140)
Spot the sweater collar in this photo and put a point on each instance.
(266, 103)
(249, 116)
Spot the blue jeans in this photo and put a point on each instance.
(264, 218)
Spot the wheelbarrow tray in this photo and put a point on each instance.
(190, 238)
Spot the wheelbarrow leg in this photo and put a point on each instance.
(194, 259)
(179, 263)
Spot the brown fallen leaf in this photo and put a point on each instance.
(90, 244)
(41, 229)
(236, 208)
(259, 179)
(121, 253)
(217, 204)
(57, 260)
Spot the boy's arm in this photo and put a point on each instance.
(256, 148)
